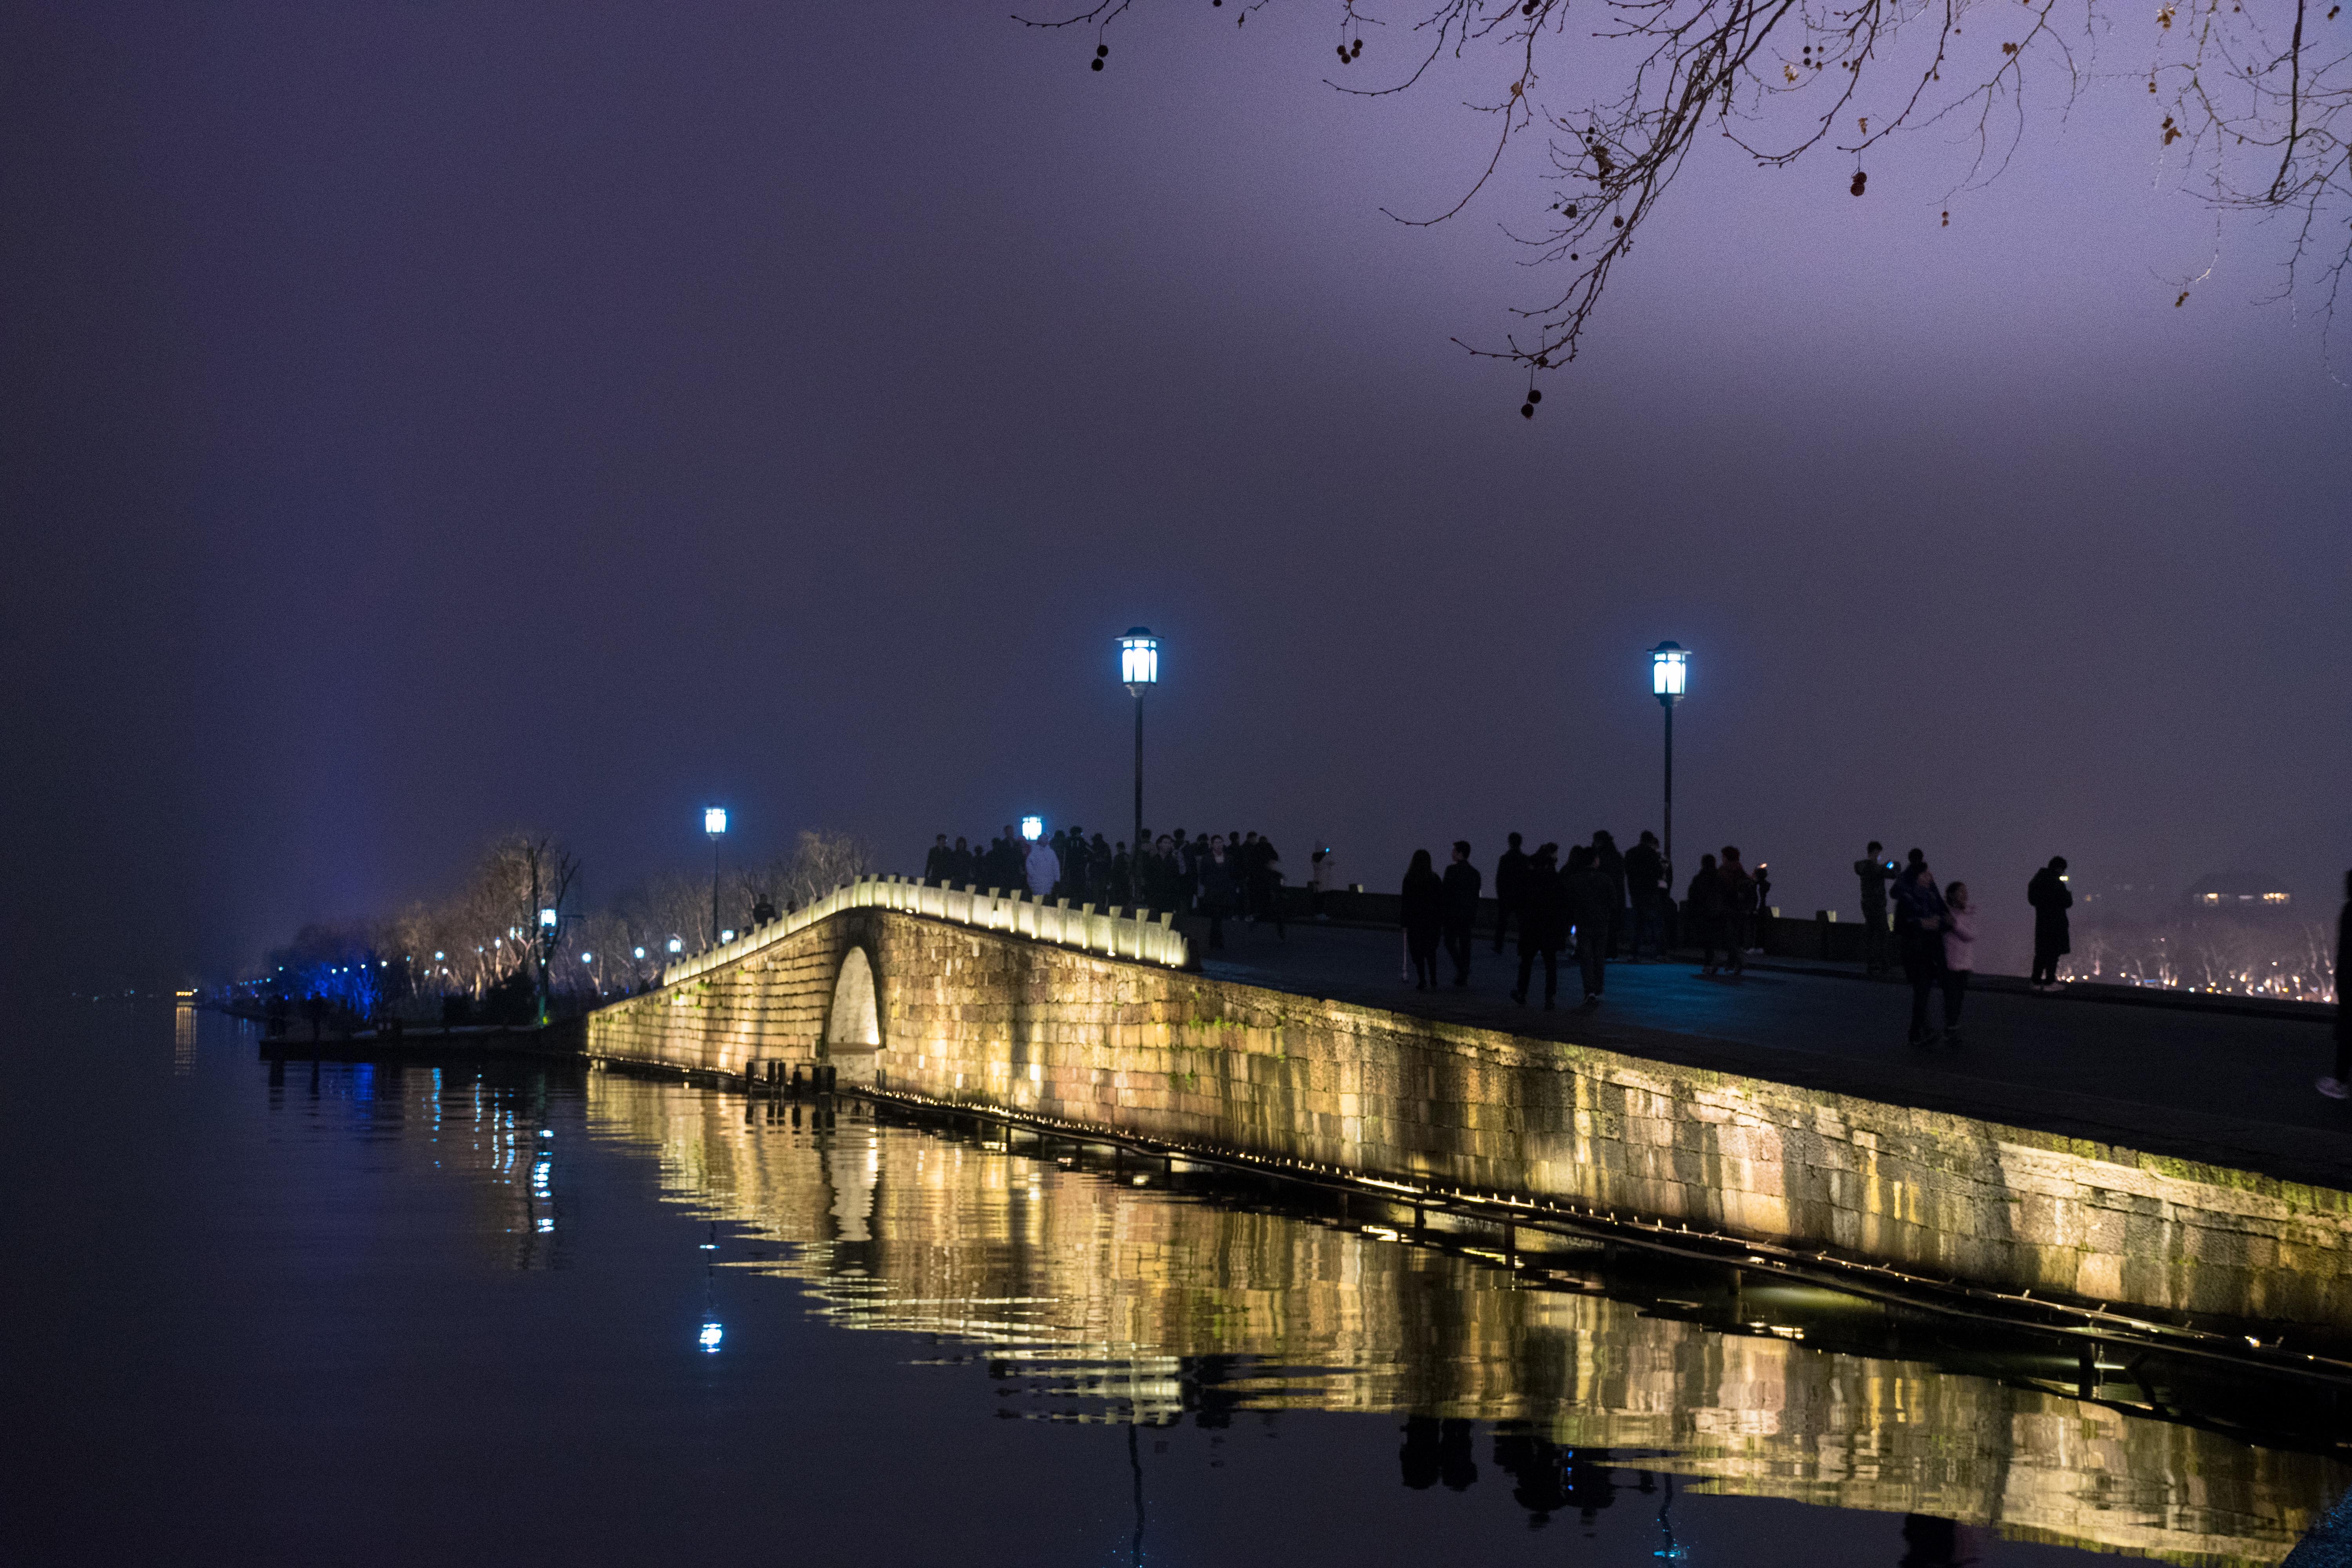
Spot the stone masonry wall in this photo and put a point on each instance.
(992, 1020)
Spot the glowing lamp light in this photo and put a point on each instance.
(547, 920)
(1669, 671)
(587, 957)
(710, 1338)
(438, 955)
(1033, 828)
(1138, 658)
(641, 952)
(727, 935)
(677, 944)
(714, 820)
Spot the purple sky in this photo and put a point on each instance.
(422, 420)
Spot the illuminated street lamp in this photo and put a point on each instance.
(1669, 677)
(1033, 828)
(677, 944)
(714, 823)
(1139, 669)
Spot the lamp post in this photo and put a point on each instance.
(1139, 669)
(1033, 828)
(1669, 674)
(714, 823)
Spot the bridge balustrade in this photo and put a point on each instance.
(1141, 938)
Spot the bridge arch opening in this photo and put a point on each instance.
(853, 1024)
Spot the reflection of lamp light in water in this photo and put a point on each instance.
(711, 1336)
(1671, 1551)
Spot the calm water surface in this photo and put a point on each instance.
(487, 1313)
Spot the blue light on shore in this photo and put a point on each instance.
(711, 1336)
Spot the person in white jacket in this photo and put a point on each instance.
(1959, 955)
(1042, 869)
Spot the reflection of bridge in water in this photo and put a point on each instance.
(1101, 1294)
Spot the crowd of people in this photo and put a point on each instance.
(1216, 876)
(1598, 906)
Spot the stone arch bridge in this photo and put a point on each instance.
(1089, 1020)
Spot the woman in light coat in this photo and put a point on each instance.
(1959, 955)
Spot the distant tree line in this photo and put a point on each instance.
(474, 955)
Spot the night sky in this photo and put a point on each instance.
(422, 420)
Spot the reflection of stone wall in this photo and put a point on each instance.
(1120, 1294)
(979, 1018)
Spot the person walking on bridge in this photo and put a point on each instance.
(937, 864)
(1043, 870)
(2338, 1085)
(1873, 869)
(1543, 924)
(1423, 914)
(1645, 870)
(1588, 896)
(1959, 955)
(1919, 916)
(1462, 883)
(2051, 898)
(1510, 878)
(1221, 888)
(1703, 901)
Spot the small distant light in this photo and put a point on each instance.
(709, 1337)
(641, 952)
(1669, 671)
(547, 918)
(727, 935)
(1033, 828)
(438, 956)
(714, 820)
(1138, 658)
(677, 944)
(545, 1226)
(587, 957)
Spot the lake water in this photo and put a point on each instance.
(489, 1311)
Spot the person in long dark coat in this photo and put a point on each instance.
(1543, 924)
(1510, 872)
(2053, 939)
(1589, 897)
(2338, 1084)
(1645, 869)
(1919, 922)
(1462, 882)
(1703, 902)
(1612, 865)
(1424, 917)
(1221, 888)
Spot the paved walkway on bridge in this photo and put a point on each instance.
(2202, 1085)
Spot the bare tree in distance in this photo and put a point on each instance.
(2251, 101)
(815, 865)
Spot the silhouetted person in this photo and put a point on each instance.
(963, 865)
(2338, 1085)
(1265, 880)
(1763, 905)
(1322, 880)
(1511, 877)
(1424, 917)
(1589, 897)
(938, 865)
(1645, 870)
(763, 908)
(2053, 939)
(1739, 907)
(1919, 916)
(1871, 871)
(1221, 888)
(1462, 884)
(1543, 924)
(1612, 865)
(1702, 906)
(1959, 955)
